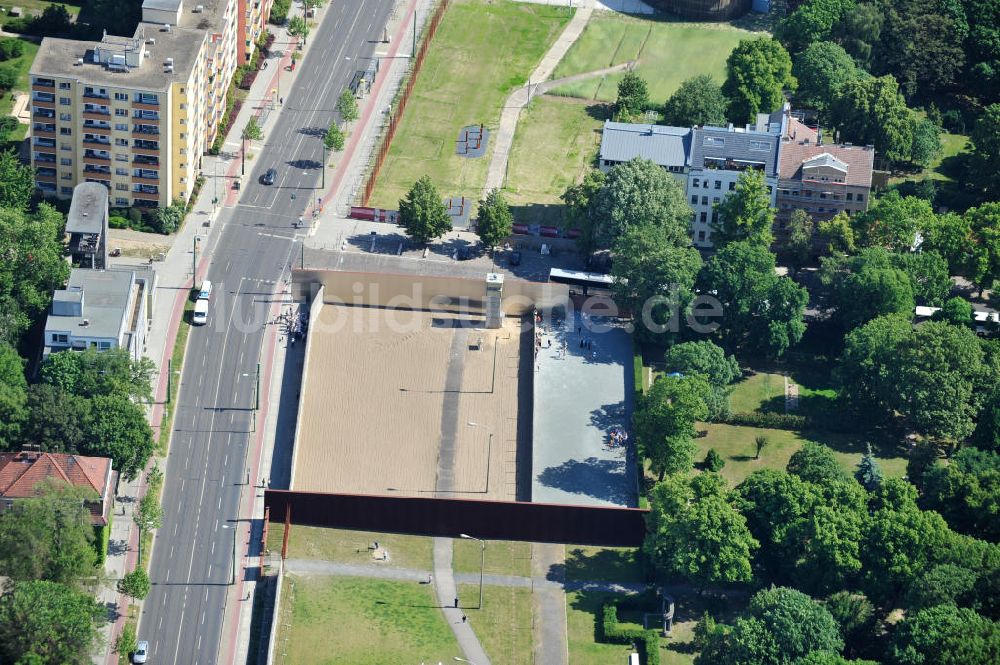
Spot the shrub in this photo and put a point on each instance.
(7, 125)
(647, 641)
(11, 47)
(134, 216)
(117, 222)
(714, 461)
(8, 77)
(17, 25)
(767, 419)
(279, 12)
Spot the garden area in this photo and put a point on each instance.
(18, 55)
(667, 52)
(481, 52)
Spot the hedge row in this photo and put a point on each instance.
(647, 641)
(768, 419)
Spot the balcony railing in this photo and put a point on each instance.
(145, 160)
(43, 158)
(149, 130)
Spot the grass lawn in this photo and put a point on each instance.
(668, 53)
(481, 52)
(358, 621)
(765, 391)
(736, 445)
(23, 65)
(555, 145)
(503, 626)
(308, 542)
(36, 7)
(612, 564)
(502, 557)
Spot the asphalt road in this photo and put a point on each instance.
(207, 468)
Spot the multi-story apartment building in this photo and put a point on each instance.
(134, 113)
(821, 179)
(253, 15)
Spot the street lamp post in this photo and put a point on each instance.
(482, 564)
(489, 454)
(323, 165)
(232, 577)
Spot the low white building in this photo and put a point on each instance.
(101, 309)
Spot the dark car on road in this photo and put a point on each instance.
(269, 177)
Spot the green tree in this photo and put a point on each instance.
(951, 236)
(495, 222)
(859, 32)
(893, 221)
(640, 193)
(984, 221)
(759, 442)
(899, 546)
(781, 626)
(869, 473)
(578, 200)
(873, 291)
(13, 396)
(696, 103)
(872, 111)
(334, 139)
(32, 268)
(822, 69)
(134, 584)
(149, 515)
(695, 533)
(47, 622)
(49, 537)
(347, 106)
(664, 422)
(969, 500)
(93, 373)
(763, 311)
(776, 506)
(252, 130)
(713, 461)
(633, 95)
(837, 234)
(985, 139)
(812, 21)
(956, 310)
(654, 279)
(926, 141)
(299, 27)
(118, 429)
(944, 584)
(423, 213)
(57, 420)
(798, 246)
(17, 182)
(856, 617)
(945, 635)
(126, 643)
(867, 368)
(815, 463)
(746, 214)
(757, 73)
(922, 45)
(710, 360)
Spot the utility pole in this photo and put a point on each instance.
(243, 155)
(170, 376)
(194, 261)
(323, 166)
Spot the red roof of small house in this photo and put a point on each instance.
(20, 474)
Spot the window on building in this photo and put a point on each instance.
(715, 199)
(121, 142)
(695, 182)
(822, 195)
(759, 145)
(104, 346)
(121, 187)
(701, 236)
(64, 85)
(850, 196)
(60, 338)
(120, 171)
(121, 96)
(732, 186)
(704, 200)
(718, 184)
(66, 190)
(694, 199)
(120, 157)
(715, 216)
(65, 161)
(65, 146)
(65, 101)
(861, 197)
(715, 140)
(120, 202)
(121, 126)
(66, 131)
(121, 113)
(703, 217)
(66, 176)
(66, 117)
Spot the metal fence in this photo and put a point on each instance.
(396, 114)
(432, 516)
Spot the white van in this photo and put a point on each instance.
(206, 291)
(200, 317)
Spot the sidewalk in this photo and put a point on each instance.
(193, 242)
(447, 591)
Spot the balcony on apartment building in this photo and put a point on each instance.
(145, 177)
(45, 174)
(46, 130)
(41, 144)
(96, 157)
(94, 112)
(95, 93)
(43, 85)
(145, 160)
(145, 102)
(43, 158)
(39, 112)
(145, 130)
(96, 139)
(93, 168)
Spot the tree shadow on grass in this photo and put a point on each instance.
(611, 565)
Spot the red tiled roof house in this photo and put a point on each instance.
(21, 473)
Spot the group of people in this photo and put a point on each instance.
(618, 438)
(295, 324)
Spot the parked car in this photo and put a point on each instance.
(514, 258)
(269, 176)
(141, 652)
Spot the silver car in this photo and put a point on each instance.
(141, 652)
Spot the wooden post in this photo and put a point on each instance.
(288, 526)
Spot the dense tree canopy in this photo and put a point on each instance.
(17, 182)
(118, 429)
(812, 21)
(746, 214)
(46, 622)
(697, 102)
(633, 95)
(495, 221)
(762, 310)
(892, 222)
(821, 70)
(710, 360)
(695, 533)
(758, 72)
(664, 421)
(871, 111)
(640, 193)
(578, 210)
(13, 396)
(946, 635)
